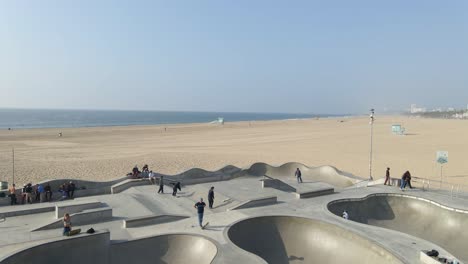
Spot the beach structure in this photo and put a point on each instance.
(260, 215)
(397, 129)
(219, 120)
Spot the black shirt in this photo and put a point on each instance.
(200, 207)
(211, 195)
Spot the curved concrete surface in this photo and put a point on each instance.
(289, 239)
(418, 217)
(78, 249)
(327, 174)
(171, 248)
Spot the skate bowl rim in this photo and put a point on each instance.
(307, 218)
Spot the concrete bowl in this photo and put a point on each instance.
(170, 248)
(412, 215)
(290, 239)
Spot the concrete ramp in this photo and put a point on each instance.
(256, 202)
(74, 207)
(151, 220)
(416, 216)
(288, 239)
(301, 190)
(327, 174)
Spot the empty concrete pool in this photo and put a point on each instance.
(172, 248)
(288, 239)
(419, 217)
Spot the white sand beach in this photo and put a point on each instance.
(104, 153)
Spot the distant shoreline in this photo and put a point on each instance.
(174, 125)
(55, 119)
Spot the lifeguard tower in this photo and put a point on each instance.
(397, 129)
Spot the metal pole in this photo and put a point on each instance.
(441, 176)
(13, 154)
(371, 139)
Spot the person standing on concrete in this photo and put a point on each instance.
(71, 189)
(29, 190)
(298, 175)
(12, 191)
(67, 225)
(387, 177)
(41, 193)
(48, 192)
(174, 189)
(409, 180)
(405, 179)
(211, 197)
(161, 185)
(200, 210)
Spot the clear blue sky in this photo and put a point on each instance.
(262, 56)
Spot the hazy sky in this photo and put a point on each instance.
(262, 56)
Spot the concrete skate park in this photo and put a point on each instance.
(260, 215)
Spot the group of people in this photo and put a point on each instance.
(67, 190)
(39, 193)
(144, 173)
(175, 186)
(405, 179)
(200, 206)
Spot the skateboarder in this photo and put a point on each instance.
(298, 175)
(200, 210)
(161, 185)
(345, 215)
(387, 177)
(174, 189)
(211, 197)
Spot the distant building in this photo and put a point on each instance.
(450, 109)
(414, 109)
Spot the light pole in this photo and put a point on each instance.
(13, 157)
(371, 122)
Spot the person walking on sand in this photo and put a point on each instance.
(298, 175)
(387, 177)
(211, 197)
(200, 206)
(161, 185)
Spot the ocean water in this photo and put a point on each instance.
(34, 118)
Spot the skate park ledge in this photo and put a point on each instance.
(314, 193)
(75, 207)
(126, 184)
(256, 202)
(151, 220)
(85, 217)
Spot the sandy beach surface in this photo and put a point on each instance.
(104, 153)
